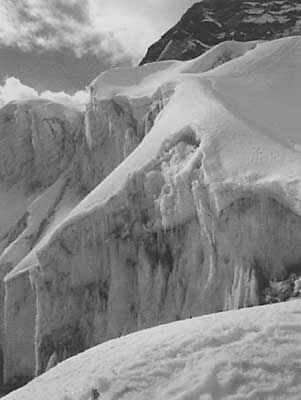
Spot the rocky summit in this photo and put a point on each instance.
(210, 22)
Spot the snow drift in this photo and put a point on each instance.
(198, 218)
(248, 354)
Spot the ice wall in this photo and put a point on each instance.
(197, 210)
(158, 253)
(52, 156)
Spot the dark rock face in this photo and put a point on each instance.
(210, 22)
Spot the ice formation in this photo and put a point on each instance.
(177, 194)
(247, 354)
(51, 157)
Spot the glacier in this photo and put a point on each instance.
(175, 194)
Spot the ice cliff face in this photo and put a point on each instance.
(177, 194)
(210, 22)
(51, 157)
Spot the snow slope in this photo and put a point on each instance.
(249, 354)
(200, 216)
(248, 107)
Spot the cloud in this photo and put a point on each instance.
(108, 28)
(46, 25)
(14, 89)
(78, 100)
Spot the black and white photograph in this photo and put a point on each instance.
(150, 200)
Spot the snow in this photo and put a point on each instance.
(185, 225)
(267, 145)
(208, 18)
(19, 252)
(28, 153)
(248, 354)
(267, 18)
(137, 82)
(236, 109)
(184, 78)
(263, 13)
(206, 46)
(123, 81)
(37, 139)
(46, 153)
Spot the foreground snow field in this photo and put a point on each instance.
(250, 354)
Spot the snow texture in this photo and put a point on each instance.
(248, 354)
(181, 197)
(51, 156)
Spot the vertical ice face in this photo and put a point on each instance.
(123, 268)
(178, 195)
(52, 157)
(38, 144)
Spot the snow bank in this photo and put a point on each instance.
(144, 80)
(247, 354)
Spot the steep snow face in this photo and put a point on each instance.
(244, 355)
(114, 127)
(37, 139)
(51, 157)
(38, 144)
(199, 218)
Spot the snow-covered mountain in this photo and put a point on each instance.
(210, 22)
(197, 210)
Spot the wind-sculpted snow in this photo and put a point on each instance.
(247, 354)
(197, 209)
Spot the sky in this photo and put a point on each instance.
(50, 46)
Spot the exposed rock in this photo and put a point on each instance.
(210, 22)
(283, 290)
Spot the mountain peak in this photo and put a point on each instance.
(210, 22)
